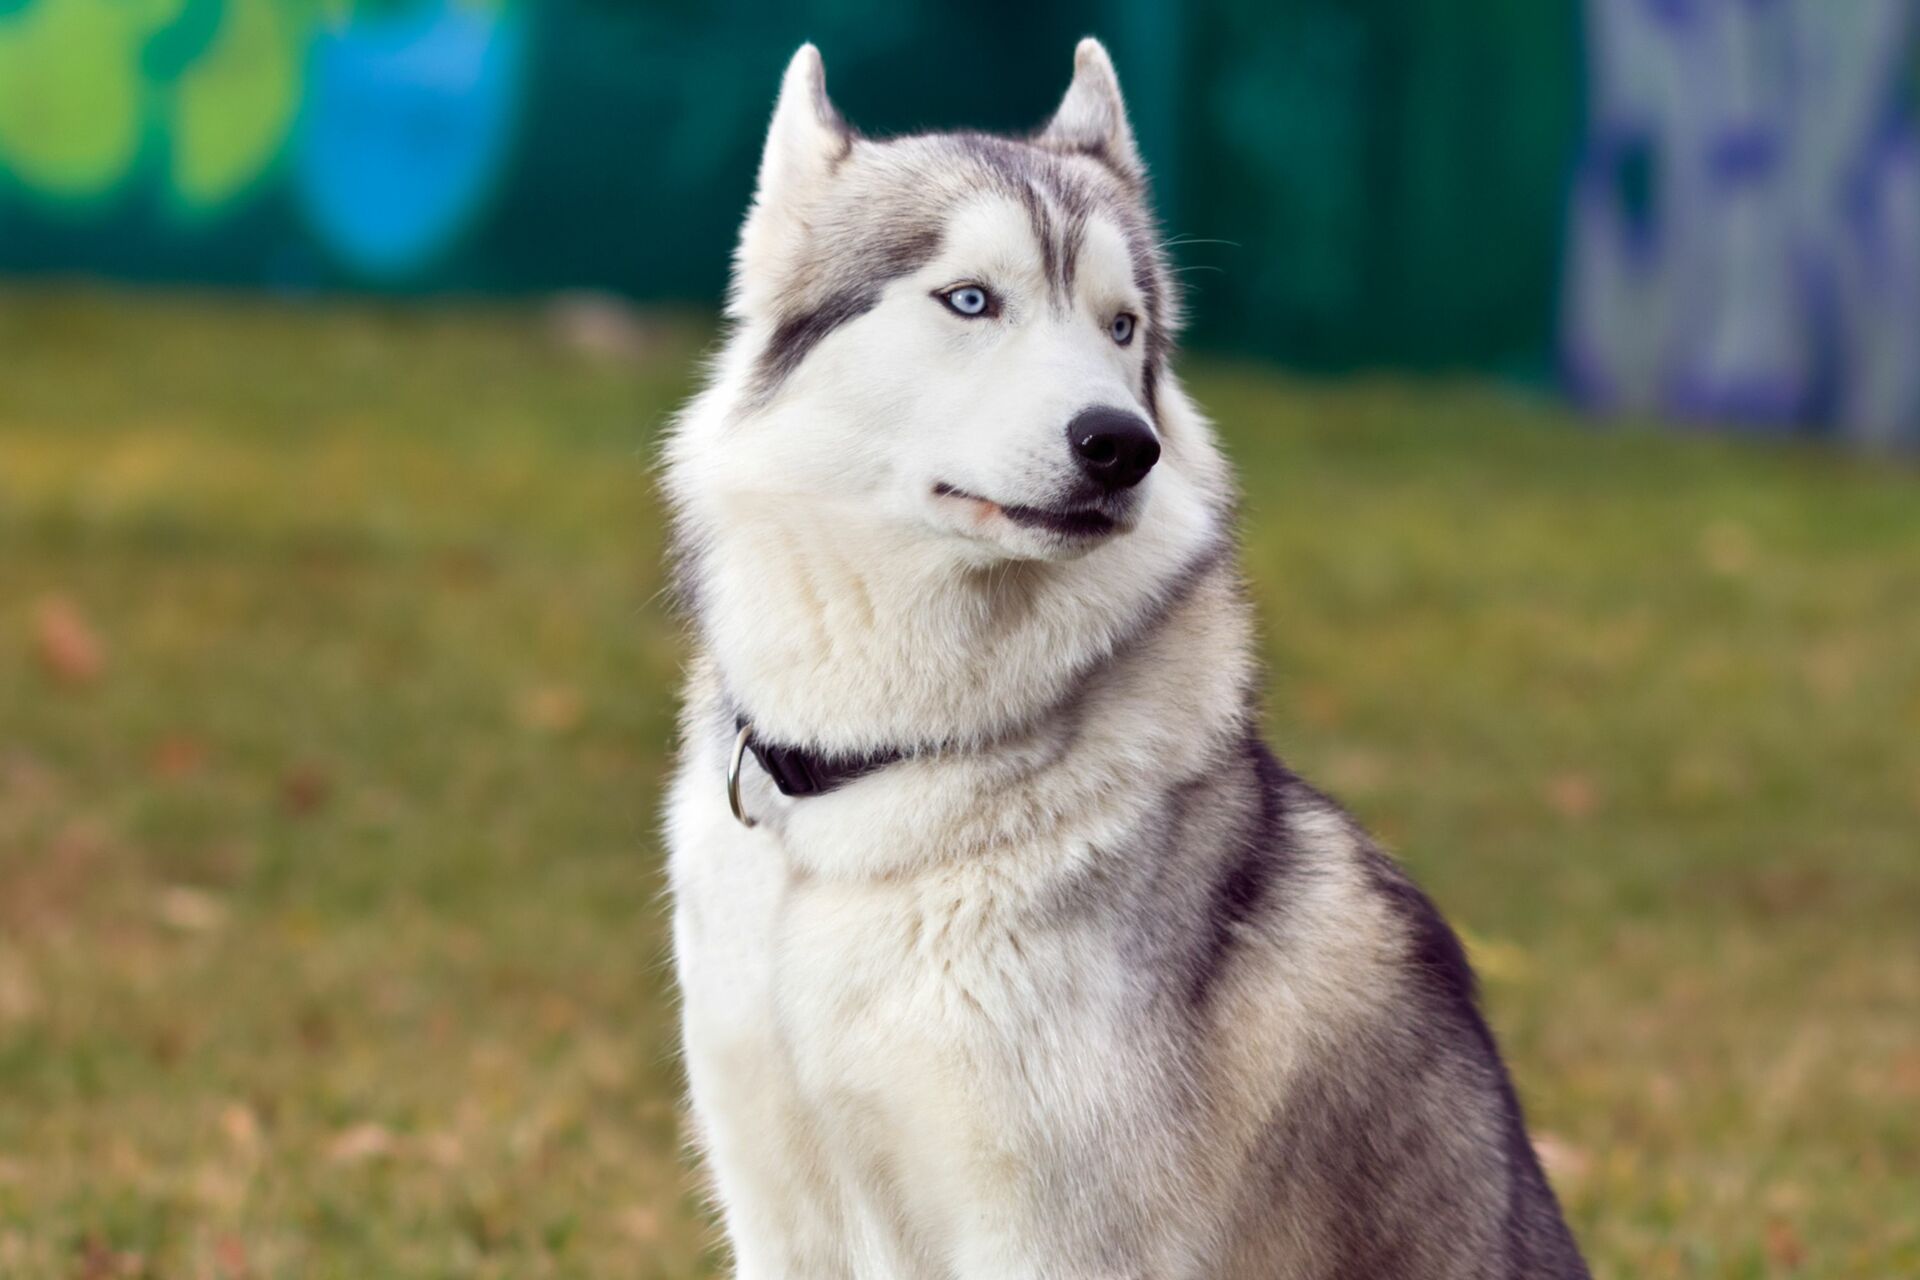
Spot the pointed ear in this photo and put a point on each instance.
(1092, 118)
(807, 135)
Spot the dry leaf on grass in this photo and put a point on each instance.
(19, 994)
(1573, 796)
(640, 1223)
(360, 1143)
(1905, 1076)
(25, 777)
(241, 1125)
(443, 1149)
(177, 755)
(69, 648)
(99, 1260)
(190, 910)
(551, 708)
(230, 1252)
(304, 790)
(1784, 1246)
(1563, 1161)
(604, 326)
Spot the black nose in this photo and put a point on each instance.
(1116, 448)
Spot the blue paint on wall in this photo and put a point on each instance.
(407, 122)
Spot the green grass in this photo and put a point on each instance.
(331, 939)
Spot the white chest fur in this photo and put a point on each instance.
(916, 1071)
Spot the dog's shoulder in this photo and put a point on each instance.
(1404, 1098)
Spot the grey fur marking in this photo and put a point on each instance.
(900, 253)
(898, 194)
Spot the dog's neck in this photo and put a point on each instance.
(1080, 719)
(849, 639)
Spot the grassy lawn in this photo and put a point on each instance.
(335, 689)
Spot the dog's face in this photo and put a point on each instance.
(957, 334)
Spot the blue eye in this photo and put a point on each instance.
(968, 300)
(1122, 328)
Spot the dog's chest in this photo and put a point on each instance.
(932, 975)
(964, 985)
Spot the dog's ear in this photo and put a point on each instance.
(807, 136)
(804, 143)
(1092, 118)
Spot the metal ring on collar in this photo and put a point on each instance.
(733, 775)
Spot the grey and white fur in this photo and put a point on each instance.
(1087, 984)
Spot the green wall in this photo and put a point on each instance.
(1390, 175)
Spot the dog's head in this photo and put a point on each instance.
(960, 334)
(941, 470)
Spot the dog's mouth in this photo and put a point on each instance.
(1067, 522)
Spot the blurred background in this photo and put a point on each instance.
(1705, 207)
(336, 682)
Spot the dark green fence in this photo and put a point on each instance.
(1392, 175)
(1387, 175)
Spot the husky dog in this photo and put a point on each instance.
(1007, 950)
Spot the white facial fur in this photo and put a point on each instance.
(910, 400)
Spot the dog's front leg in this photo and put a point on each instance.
(1040, 1219)
(1012, 1261)
(756, 1136)
(995, 1252)
(780, 1205)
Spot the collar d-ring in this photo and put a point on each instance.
(733, 775)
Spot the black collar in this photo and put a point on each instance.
(800, 772)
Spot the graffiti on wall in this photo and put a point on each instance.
(385, 122)
(1744, 236)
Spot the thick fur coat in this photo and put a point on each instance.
(1086, 984)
